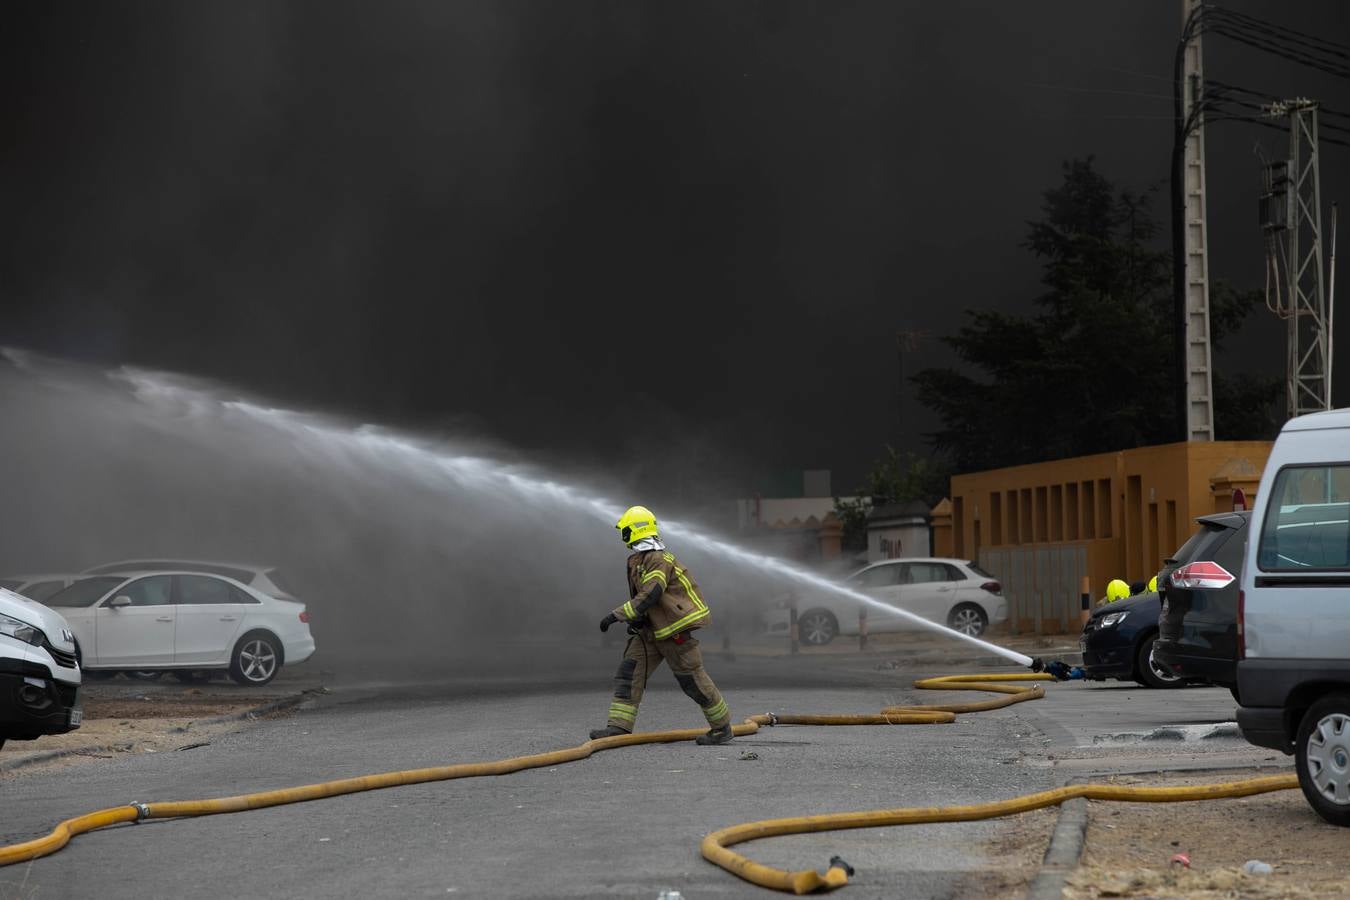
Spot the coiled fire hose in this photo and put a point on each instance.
(715, 846)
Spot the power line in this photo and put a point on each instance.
(1224, 86)
(1293, 55)
(1315, 42)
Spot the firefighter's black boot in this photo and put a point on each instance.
(607, 731)
(720, 735)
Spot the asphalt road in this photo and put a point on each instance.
(622, 823)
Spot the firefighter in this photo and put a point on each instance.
(1153, 585)
(663, 609)
(1117, 590)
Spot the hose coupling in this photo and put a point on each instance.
(1037, 664)
(837, 862)
(773, 720)
(142, 811)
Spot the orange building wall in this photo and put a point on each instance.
(1128, 510)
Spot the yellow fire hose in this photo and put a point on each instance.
(715, 846)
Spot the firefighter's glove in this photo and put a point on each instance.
(608, 621)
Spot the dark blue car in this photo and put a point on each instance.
(1117, 642)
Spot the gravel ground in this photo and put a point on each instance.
(1129, 846)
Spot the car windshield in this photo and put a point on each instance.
(281, 580)
(979, 570)
(83, 593)
(43, 590)
(1188, 549)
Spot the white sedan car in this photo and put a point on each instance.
(951, 592)
(183, 621)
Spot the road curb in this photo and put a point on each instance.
(1064, 852)
(253, 713)
(256, 712)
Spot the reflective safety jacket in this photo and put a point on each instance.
(664, 593)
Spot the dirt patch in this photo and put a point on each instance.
(1014, 857)
(186, 705)
(121, 719)
(1130, 845)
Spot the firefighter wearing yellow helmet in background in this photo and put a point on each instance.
(663, 609)
(1117, 590)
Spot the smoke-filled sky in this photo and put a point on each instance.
(677, 238)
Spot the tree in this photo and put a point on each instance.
(894, 478)
(1090, 370)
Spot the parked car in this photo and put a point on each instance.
(268, 579)
(38, 587)
(952, 592)
(185, 622)
(1118, 641)
(39, 671)
(1197, 629)
(1293, 625)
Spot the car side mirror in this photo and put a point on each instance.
(120, 601)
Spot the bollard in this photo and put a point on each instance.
(862, 628)
(1086, 601)
(792, 626)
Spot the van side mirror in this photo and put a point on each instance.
(120, 601)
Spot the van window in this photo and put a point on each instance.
(1307, 524)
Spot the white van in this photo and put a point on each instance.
(1294, 609)
(39, 671)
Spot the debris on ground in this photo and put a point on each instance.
(1219, 838)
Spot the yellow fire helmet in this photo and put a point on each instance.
(1117, 590)
(636, 523)
(1153, 584)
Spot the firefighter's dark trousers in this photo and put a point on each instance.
(641, 658)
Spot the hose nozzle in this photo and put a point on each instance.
(1058, 669)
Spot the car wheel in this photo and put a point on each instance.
(817, 627)
(1322, 757)
(968, 618)
(256, 659)
(1150, 673)
(145, 674)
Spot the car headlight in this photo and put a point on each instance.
(1111, 620)
(21, 631)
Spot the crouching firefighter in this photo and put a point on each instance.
(663, 610)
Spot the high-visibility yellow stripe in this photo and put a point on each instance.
(668, 557)
(655, 573)
(628, 611)
(623, 711)
(713, 713)
(682, 623)
(689, 589)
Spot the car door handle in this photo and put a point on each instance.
(228, 618)
(164, 618)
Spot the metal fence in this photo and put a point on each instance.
(1041, 585)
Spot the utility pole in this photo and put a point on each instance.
(1291, 216)
(1190, 235)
